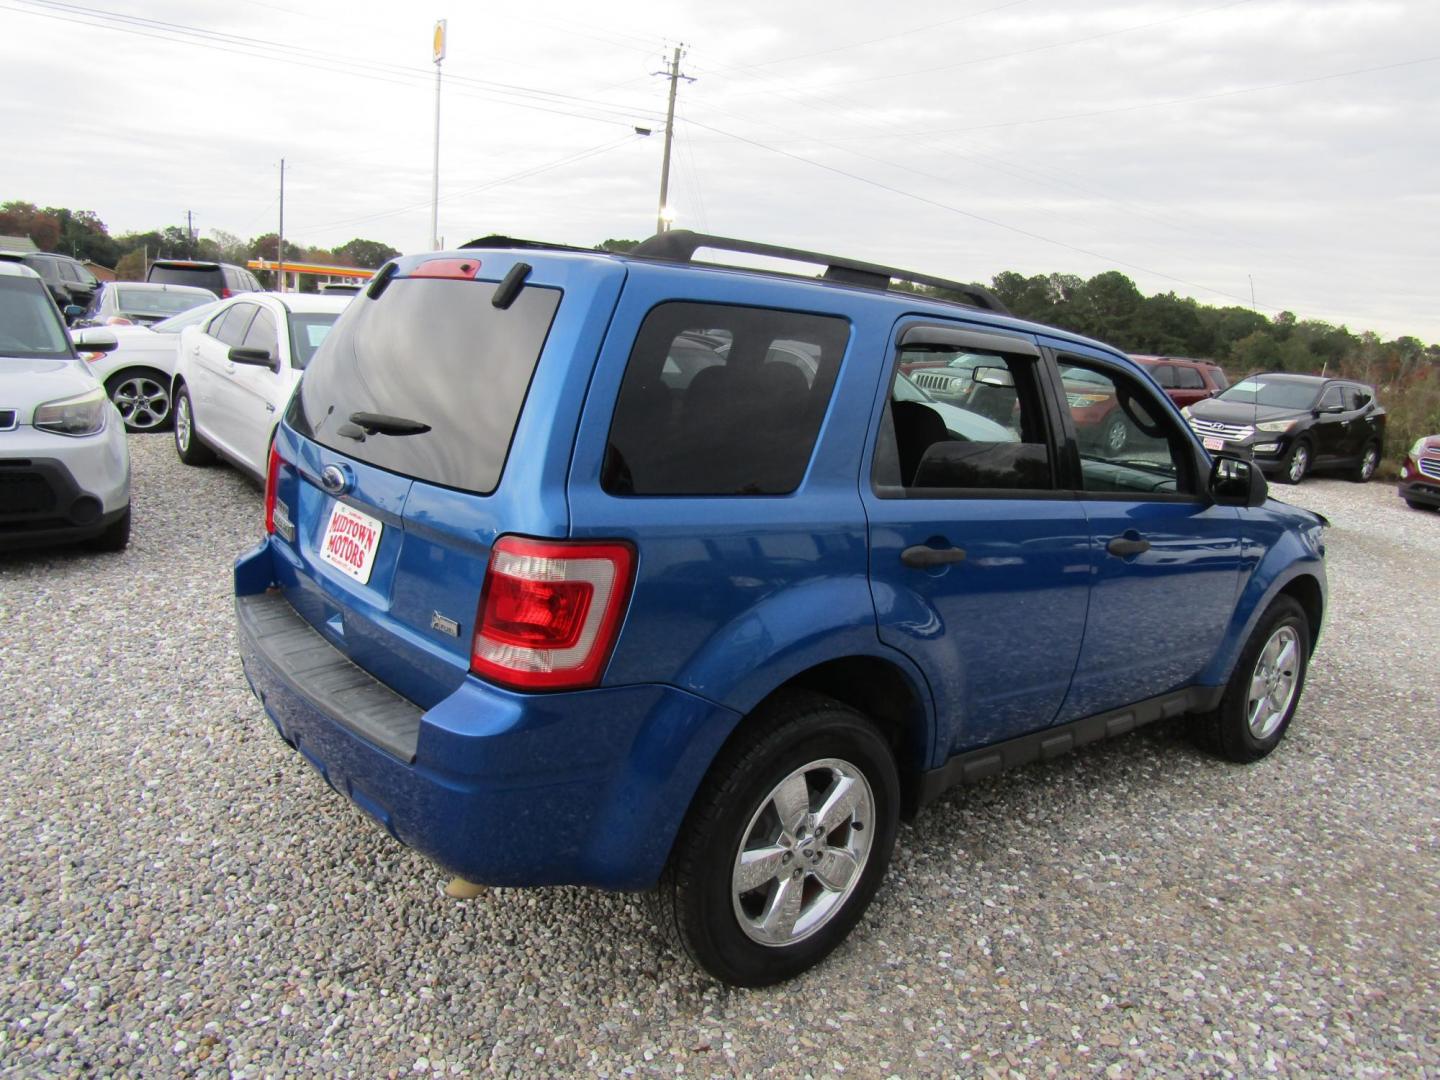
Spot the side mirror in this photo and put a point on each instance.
(73, 312)
(94, 340)
(254, 358)
(1236, 482)
(992, 376)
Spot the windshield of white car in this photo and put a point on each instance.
(176, 323)
(159, 301)
(30, 327)
(1278, 394)
(307, 331)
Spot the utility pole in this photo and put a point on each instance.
(439, 53)
(673, 71)
(190, 228)
(1252, 291)
(280, 240)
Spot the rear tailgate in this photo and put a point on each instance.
(416, 406)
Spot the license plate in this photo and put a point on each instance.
(1212, 443)
(351, 540)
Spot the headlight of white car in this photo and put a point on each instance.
(1275, 425)
(83, 415)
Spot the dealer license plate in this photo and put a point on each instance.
(1212, 443)
(351, 540)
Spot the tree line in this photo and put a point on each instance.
(82, 235)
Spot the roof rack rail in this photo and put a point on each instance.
(516, 242)
(680, 245)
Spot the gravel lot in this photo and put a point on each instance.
(181, 894)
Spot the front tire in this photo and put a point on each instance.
(141, 397)
(188, 446)
(1264, 690)
(785, 844)
(1297, 463)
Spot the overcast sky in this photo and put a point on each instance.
(1196, 145)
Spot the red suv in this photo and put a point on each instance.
(1186, 381)
(1420, 475)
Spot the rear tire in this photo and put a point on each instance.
(1416, 505)
(1365, 468)
(188, 446)
(785, 844)
(1264, 690)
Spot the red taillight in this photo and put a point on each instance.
(459, 269)
(550, 612)
(272, 481)
(118, 320)
(225, 294)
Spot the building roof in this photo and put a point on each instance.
(17, 243)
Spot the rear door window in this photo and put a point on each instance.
(263, 335)
(231, 326)
(722, 400)
(1189, 379)
(437, 353)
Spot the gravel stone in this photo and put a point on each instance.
(180, 894)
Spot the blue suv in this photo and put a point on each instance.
(642, 573)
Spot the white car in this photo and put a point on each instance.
(142, 303)
(64, 466)
(138, 371)
(236, 370)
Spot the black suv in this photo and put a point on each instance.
(223, 279)
(66, 278)
(1292, 424)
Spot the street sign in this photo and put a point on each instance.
(439, 41)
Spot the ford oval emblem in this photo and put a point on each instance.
(334, 480)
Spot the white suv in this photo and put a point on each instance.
(236, 370)
(64, 465)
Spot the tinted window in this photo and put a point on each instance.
(262, 334)
(1187, 378)
(1357, 397)
(29, 325)
(1219, 378)
(142, 301)
(987, 432)
(721, 400)
(436, 352)
(307, 330)
(1126, 442)
(231, 326)
(68, 271)
(45, 267)
(1164, 375)
(1330, 398)
(203, 277)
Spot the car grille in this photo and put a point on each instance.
(930, 380)
(1430, 467)
(25, 493)
(1232, 432)
(8, 417)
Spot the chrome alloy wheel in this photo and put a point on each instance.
(1273, 685)
(182, 423)
(1116, 435)
(143, 403)
(1299, 462)
(803, 852)
(1369, 461)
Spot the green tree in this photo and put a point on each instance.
(370, 254)
(26, 219)
(619, 246)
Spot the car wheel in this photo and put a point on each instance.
(141, 397)
(1260, 699)
(188, 446)
(1368, 461)
(1297, 464)
(1117, 434)
(116, 535)
(1416, 505)
(784, 845)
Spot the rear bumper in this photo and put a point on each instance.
(585, 788)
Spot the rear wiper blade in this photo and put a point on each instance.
(382, 424)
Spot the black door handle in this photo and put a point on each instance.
(921, 556)
(1123, 546)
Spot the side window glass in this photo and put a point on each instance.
(262, 334)
(716, 401)
(233, 324)
(1165, 376)
(1187, 378)
(68, 271)
(1127, 443)
(960, 422)
(1329, 399)
(1356, 398)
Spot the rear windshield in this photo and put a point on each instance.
(437, 353)
(158, 302)
(207, 278)
(30, 327)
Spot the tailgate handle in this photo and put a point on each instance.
(921, 556)
(1127, 545)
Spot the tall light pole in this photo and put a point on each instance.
(439, 45)
(662, 217)
(280, 238)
